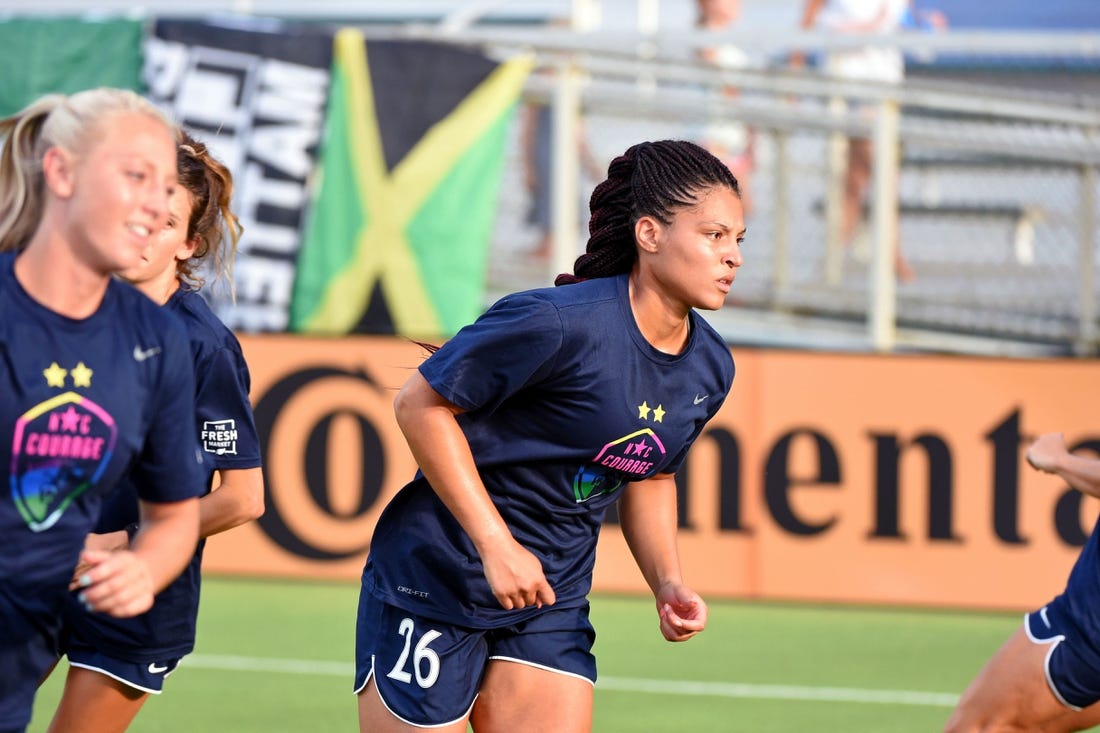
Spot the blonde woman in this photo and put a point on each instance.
(96, 379)
(115, 664)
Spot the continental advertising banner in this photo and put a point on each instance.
(825, 477)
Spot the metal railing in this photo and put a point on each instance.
(1014, 270)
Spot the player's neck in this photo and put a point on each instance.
(161, 289)
(663, 323)
(59, 281)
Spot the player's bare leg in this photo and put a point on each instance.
(520, 697)
(374, 717)
(95, 703)
(1074, 720)
(1010, 693)
(857, 180)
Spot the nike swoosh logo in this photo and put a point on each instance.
(155, 668)
(699, 399)
(141, 354)
(1043, 615)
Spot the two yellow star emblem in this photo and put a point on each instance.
(55, 375)
(658, 412)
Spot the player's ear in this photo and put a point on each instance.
(647, 231)
(59, 171)
(186, 250)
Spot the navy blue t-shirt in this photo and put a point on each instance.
(81, 403)
(226, 434)
(566, 402)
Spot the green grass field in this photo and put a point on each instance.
(276, 656)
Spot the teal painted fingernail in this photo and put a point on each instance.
(85, 580)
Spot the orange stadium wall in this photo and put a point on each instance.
(825, 477)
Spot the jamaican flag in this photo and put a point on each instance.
(410, 165)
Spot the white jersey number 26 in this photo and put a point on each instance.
(422, 657)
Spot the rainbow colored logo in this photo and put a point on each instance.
(629, 458)
(59, 450)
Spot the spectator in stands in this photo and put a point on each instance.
(538, 162)
(879, 64)
(732, 141)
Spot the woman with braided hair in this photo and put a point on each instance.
(527, 426)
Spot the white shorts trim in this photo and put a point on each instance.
(378, 690)
(115, 677)
(366, 681)
(543, 667)
(1053, 643)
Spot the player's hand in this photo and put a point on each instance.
(94, 541)
(1047, 450)
(116, 583)
(682, 613)
(515, 576)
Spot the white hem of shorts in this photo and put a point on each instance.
(1053, 641)
(378, 690)
(115, 677)
(543, 667)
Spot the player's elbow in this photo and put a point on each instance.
(245, 493)
(411, 401)
(401, 407)
(253, 506)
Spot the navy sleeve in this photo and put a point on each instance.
(223, 412)
(513, 344)
(169, 467)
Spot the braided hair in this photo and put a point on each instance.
(650, 179)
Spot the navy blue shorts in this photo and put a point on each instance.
(30, 627)
(1072, 669)
(145, 676)
(22, 664)
(428, 672)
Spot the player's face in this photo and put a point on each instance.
(169, 246)
(120, 191)
(699, 252)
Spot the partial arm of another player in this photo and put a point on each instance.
(123, 583)
(1049, 454)
(440, 448)
(647, 513)
(238, 498)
